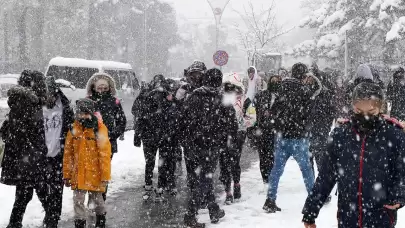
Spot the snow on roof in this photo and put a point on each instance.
(9, 79)
(98, 64)
(397, 28)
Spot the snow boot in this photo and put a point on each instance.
(80, 223)
(215, 213)
(191, 221)
(270, 206)
(229, 198)
(101, 220)
(159, 195)
(236, 192)
(148, 192)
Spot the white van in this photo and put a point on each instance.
(79, 71)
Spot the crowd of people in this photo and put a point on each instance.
(348, 130)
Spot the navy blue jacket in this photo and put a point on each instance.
(370, 172)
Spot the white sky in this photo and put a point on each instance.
(288, 11)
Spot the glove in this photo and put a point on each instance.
(67, 182)
(137, 141)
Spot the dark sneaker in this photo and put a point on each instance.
(80, 223)
(148, 192)
(229, 198)
(191, 222)
(270, 206)
(215, 213)
(237, 192)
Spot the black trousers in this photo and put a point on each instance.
(229, 162)
(202, 164)
(104, 194)
(318, 148)
(54, 181)
(23, 195)
(266, 155)
(167, 163)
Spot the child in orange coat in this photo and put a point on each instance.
(87, 162)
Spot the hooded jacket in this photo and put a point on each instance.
(294, 107)
(244, 122)
(207, 122)
(87, 157)
(24, 135)
(369, 171)
(109, 107)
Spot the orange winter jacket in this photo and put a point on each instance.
(87, 158)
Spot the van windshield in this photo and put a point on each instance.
(78, 76)
(123, 79)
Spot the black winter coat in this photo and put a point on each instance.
(159, 117)
(67, 118)
(293, 108)
(396, 94)
(24, 136)
(113, 116)
(369, 170)
(207, 122)
(265, 109)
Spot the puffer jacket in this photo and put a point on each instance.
(369, 170)
(87, 157)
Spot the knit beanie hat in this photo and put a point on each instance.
(85, 105)
(368, 91)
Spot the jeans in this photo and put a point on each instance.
(284, 149)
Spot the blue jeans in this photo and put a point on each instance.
(284, 149)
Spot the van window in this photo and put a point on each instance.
(78, 76)
(123, 79)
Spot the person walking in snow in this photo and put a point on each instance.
(58, 118)
(209, 125)
(158, 128)
(252, 88)
(293, 104)
(365, 158)
(87, 162)
(396, 94)
(230, 158)
(24, 161)
(264, 103)
(194, 75)
(101, 89)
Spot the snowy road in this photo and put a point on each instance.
(126, 208)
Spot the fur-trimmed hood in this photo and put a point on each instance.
(98, 76)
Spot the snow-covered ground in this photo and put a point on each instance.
(291, 198)
(128, 166)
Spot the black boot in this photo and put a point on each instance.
(191, 221)
(80, 223)
(270, 206)
(237, 192)
(215, 213)
(100, 222)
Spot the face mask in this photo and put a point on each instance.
(102, 95)
(366, 123)
(275, 86)
(87, 123)
(229, 98)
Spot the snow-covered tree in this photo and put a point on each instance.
(372, 28)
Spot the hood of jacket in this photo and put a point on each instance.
(19, 98)
(364, 72)
(91, 82)
(234, 79)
